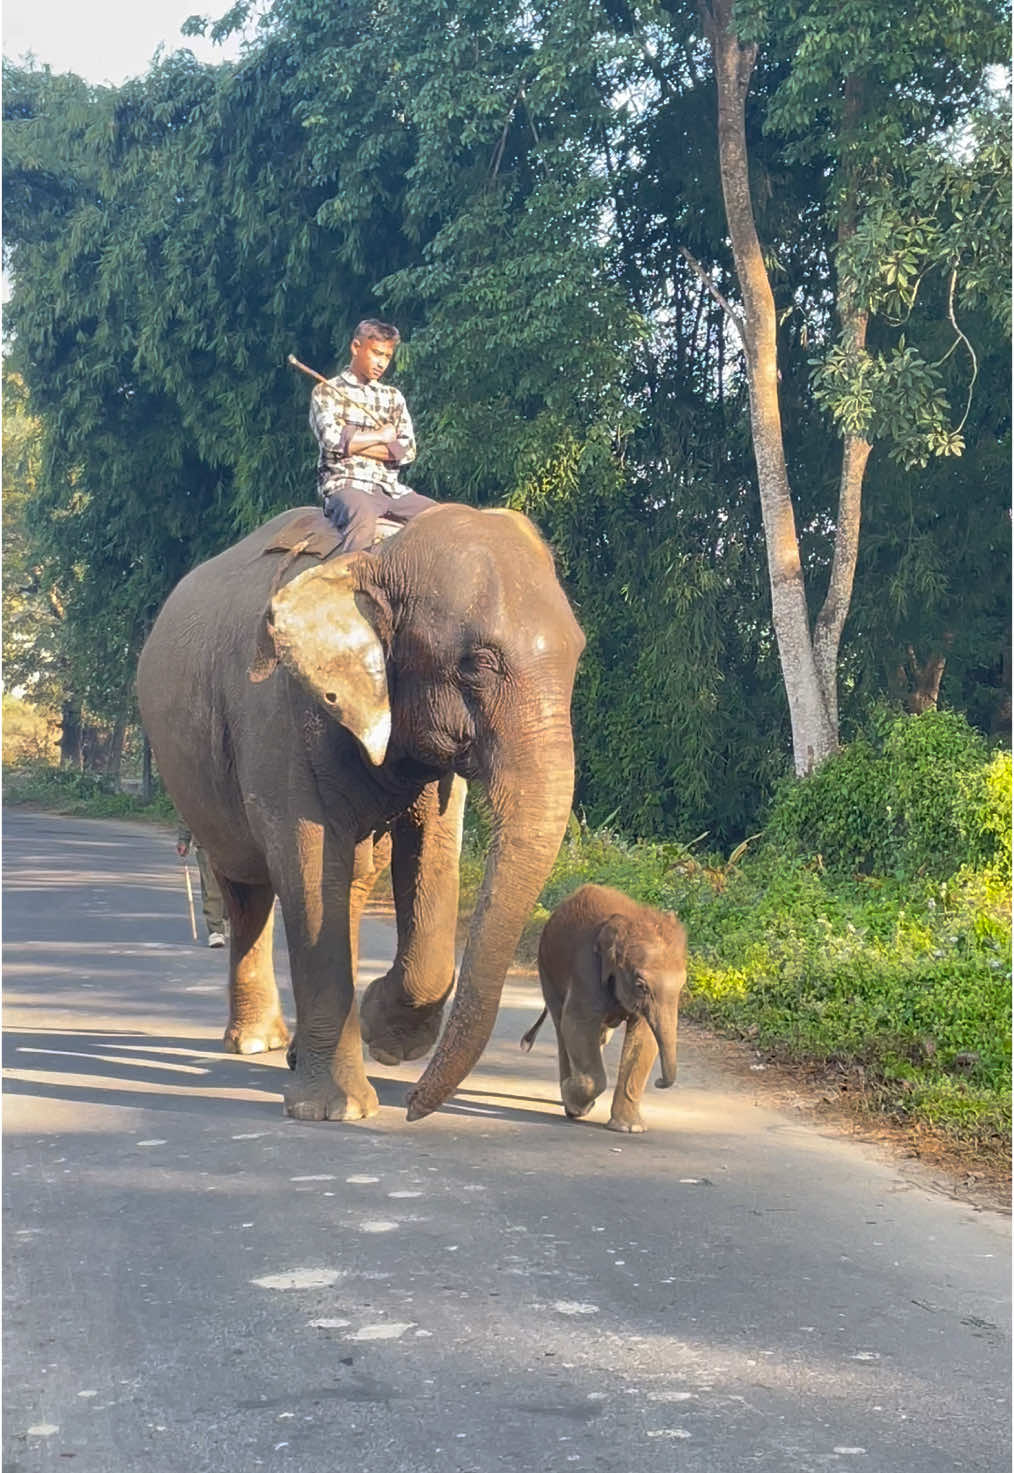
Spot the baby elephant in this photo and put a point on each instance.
(605, 960)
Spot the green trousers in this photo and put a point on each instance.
(211, 895)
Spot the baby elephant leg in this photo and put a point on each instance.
(579, 1039)
(639, 1053)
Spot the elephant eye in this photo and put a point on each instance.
(479, 665)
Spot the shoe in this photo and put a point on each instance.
(216, 939)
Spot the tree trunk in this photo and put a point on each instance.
(855, 452)
(923, 681)
(831, 619)
(114, 751)
(814, 735)
(146, 781)
(70, 734)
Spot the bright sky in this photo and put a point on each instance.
(107, 41)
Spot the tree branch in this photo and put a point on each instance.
(722, 301)
(971, 350)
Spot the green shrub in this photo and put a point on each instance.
(83, 794)
(916, 795)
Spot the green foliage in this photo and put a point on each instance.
(29, 732)
(917, 795)
(81, 794)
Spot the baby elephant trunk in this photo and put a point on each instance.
(665, 1029)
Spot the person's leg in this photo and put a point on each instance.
(211, 895)
(404, 507)
(354, 514)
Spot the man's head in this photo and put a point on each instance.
(373, 345)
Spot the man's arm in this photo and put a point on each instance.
(372, 442)
(330, 416)
(403, 445)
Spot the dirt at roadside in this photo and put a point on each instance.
(835, 1099)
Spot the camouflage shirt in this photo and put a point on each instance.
(347, 405)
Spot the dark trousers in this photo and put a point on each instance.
(354, 511)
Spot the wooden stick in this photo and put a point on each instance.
(312, 373)
(190, 896)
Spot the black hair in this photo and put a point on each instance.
(372, 327)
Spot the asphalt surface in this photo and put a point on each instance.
(193, 1282)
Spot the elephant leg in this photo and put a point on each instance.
(372, 858)
(255, 1023)
(402, 1011)
(639, 1053)
(579, 1034)
(315, 878)
(554, 1004)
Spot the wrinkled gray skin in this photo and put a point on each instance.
(379, 681)
(605, 960)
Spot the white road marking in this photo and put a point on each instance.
(391, 1331)
(299, 1278)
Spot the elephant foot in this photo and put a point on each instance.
(393, 1030)
(323, 1098)
(634, 1126)
(256, 1038)
(579, 1094)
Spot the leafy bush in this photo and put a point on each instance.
(67, 790)
(916, 795)
(29, 734)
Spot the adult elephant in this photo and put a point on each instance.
(312, 717)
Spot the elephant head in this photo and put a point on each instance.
(643, 960)
(453, 649)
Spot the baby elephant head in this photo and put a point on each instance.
(644, 966)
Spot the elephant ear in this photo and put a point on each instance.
(610, 943)
(321, 634)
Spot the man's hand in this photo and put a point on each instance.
(182, 848)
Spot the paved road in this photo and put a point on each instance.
(194, 1283)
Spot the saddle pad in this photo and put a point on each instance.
(311, 532)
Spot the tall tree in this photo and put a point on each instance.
(849, 80)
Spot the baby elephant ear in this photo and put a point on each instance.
(321, 634)
(609, 942)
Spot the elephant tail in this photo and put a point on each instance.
(529, 1038)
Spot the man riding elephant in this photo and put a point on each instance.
(364, 432)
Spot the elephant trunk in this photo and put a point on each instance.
(531, 806)
(665, 1030)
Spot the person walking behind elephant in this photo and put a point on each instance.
(364, 433)
(605, 960)
(211, 894)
